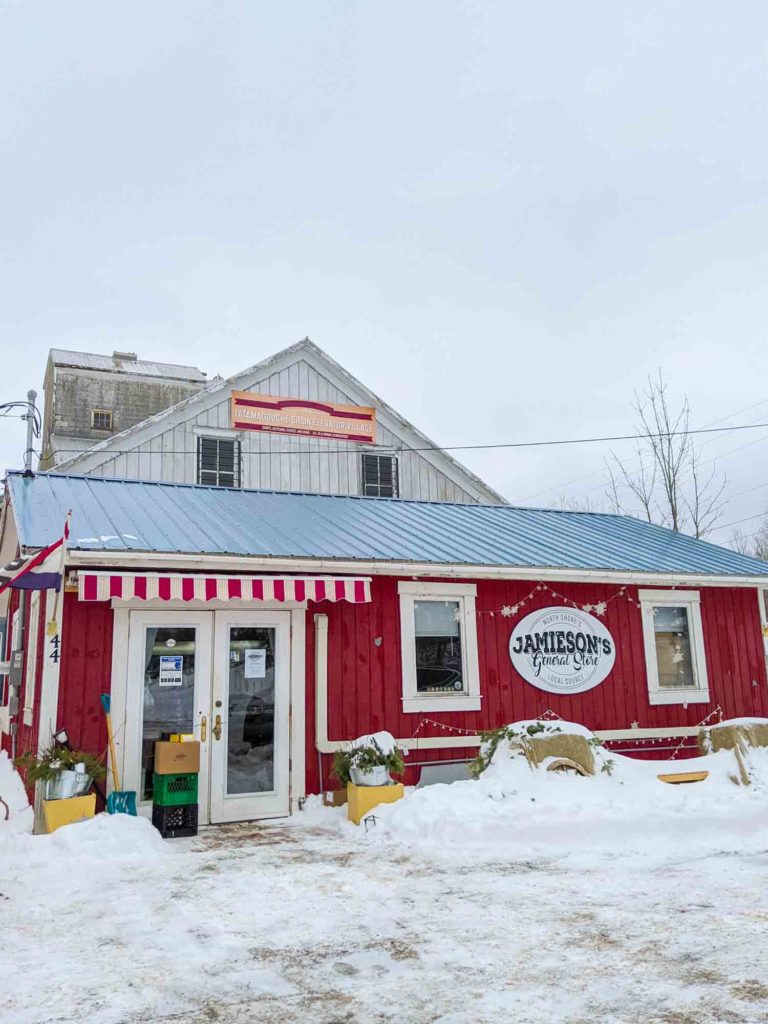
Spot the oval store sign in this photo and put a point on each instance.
(562, 650)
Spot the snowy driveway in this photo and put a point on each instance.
(314, 921)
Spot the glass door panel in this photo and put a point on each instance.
(169, 691)
(251, 723)
(251, 702)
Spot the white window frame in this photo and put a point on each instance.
(690, 600)
(465, 594)
(213, 435)
(395, 474)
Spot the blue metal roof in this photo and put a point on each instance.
(132, 515)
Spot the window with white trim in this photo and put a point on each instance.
(674, 647)
(438, 633)
(218, 461)
(379, 476)
(762, 596)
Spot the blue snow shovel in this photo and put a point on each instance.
(119, 801)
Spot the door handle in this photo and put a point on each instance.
(217, 727)
(203, 728)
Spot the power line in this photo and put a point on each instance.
(435, 448)
(735, 522)
(588, 476)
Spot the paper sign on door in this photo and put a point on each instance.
(256, 663)
(171, 669)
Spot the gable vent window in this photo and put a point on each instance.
(380, 476)
(101, 419)
(218, 462)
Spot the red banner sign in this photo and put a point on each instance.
(302, 416)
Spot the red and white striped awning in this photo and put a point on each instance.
(103, 586)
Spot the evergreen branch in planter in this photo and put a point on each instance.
(364, 759)
(49, 764)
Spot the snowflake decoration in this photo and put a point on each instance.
(600, 608)
(586, 608)
(456, 615)
(677, 657)
(507, 610)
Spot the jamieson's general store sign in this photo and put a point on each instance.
(562, 650)
(250, 411)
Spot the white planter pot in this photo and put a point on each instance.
(378, 776)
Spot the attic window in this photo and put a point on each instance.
(379, 473)
(101, 419)
(218, 462)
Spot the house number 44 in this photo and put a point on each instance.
(54, 651)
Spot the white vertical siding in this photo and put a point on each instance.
(281, 461)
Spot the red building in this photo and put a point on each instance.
(278, 626)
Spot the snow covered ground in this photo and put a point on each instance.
(524, 897)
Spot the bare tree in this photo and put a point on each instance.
(666, 476)
(760, 541)
(704, 496)
(570, 503)
(754, 544)
(740, 542)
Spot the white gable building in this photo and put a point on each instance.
(297, 421)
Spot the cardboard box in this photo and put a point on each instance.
(175, 758)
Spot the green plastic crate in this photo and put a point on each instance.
(174, 790)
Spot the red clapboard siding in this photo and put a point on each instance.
(86, 668)
(365, 678)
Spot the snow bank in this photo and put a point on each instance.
(515, 811)
(21, 817)
(110, 837)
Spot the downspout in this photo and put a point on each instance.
(321, 689)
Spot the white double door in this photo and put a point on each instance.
(223, 676)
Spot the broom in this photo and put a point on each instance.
(119, 801)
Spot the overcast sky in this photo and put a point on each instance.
(500, 216)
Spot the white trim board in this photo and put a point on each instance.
(243, 564)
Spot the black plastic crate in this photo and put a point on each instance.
(175, 822)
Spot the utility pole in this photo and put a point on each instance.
(30, 416)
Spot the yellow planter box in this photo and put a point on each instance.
(362, 799)
(64, 812)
